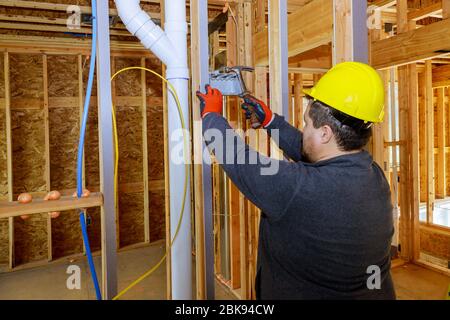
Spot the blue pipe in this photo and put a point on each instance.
(81, 149)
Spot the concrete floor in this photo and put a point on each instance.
(49, 282)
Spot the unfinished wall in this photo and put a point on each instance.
(155, 136)
(64, 127)
(32, 236)
(129, 120)
(4, 243)
(28, 148)
(435, 243)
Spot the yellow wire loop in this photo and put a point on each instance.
(116, 168)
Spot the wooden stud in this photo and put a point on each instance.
(9, 156)
(166, 180)
(298, 100)
(429, 140)
(233, 197)
(243, 209)
(145, 152)
(248, 12)
(47, 151)
(441, 132)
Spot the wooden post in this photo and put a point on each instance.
(9, 155)
(441, 132)
(298, 100)
(47, 151)
(243, 209)
(429, 94)
(166, 179)
(233, 193)
(409, 168)
(145, 152)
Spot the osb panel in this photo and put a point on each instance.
(91, 154)
(30, 239)
(28, 140)
(28, 143)
(128, 83)
(157, 216)
(63, 76)
(94, 229)
(4, 241)
(64, 135)
(129, 120)
(154, 84)
(26, 76)
(131, 218)
(66, 235)
(86, 62)
(435, 244)
(155, 138)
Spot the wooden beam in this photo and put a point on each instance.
(298, 100)
(243, 208)
(47, 150)
(145, 151)
(57, 45)
(430, 10)
(425, 43)
(310, 26)
(233, 195)
(55, 28)
(441, 133)
(15, 209)
(441, 76)
(9, 155)
(429, 94)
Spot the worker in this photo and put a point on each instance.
(326, 222)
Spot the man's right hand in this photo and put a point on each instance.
(257, 111)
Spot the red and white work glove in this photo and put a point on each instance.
(211, 101)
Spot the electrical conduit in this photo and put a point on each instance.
(171, 48)
(81, 149)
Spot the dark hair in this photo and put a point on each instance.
(347, 137)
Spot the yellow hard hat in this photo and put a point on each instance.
(352, 88)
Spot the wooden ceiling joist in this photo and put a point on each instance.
(309, 27)
(425, 43)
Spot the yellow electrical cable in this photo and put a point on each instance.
(116, 168)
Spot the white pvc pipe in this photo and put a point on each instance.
(171, 48)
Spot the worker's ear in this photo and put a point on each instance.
(326, 134)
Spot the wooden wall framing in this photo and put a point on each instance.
(41, 101)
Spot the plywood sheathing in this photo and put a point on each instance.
(28, 143)
(157, 215)
(129, 120)
(435, 243)
(64, 124)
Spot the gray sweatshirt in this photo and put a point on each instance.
(326, 227)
